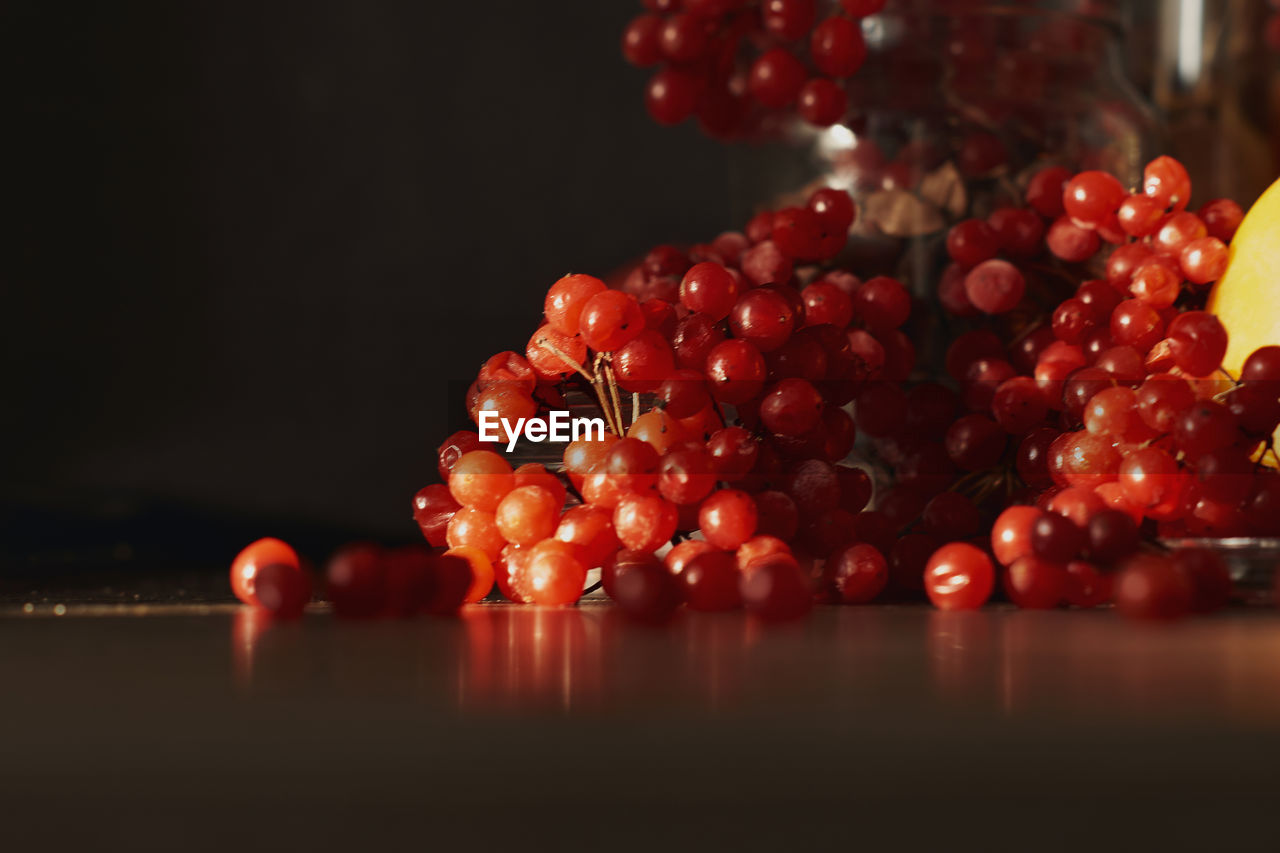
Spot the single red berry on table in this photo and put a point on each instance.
(959, 577)
(245, 566)
(282, 589)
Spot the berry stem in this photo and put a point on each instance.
(552, 348)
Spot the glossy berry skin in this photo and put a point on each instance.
(1111, 536)
(995, 286)
(1011, 533)
(1056, 538)
(565, 299)
(883, 304)
(1070, 242)
(481, 479)
(837, 47)
(1262, 365)
(245, 566)
(475, 528)
(708, 288)
(1034, 583)
(527, 515)
(685, 475)
(1166, 182)
(727, 518)
(1204, 260)
(763, 317)
(356, 581)
(975, 442)
(1198, 342)
(1018, 405)
(644, 522)
(645, 591)
(822, 102)
(776, 590)
(1045, 191)
(683, 38)
(736, 371)
(959, 577)
(590, 529)
(775, 78)
(836, 213)
(671, 95)
(825, 303)
(611, 320)
(1204, 427)
(1161, 398)
(971, 242)
(1150, 587)
(791, 407)
(1221, 217)
(684, 393)
(858, 573)
(1092, 197)
(282, 589)
(556, 575)
(641, 44)
(694, 339)
(548, 352)
(710, 582)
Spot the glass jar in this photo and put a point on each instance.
(956, 107)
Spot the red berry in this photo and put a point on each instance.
(727, 518)
(1045, 191)
(736, 371)
(282, 589)
(610, 320)
(672, 95)
(641, 41)
(959, 577)
(775, 78)
(433, 507)
(245, 567)
(645, 590)
(1092, 197)
(837, 47)
(1034, 583)
(1166, 182)
(566, 298)
(775, 589)
(710, 582)
(822, 103)
(356, 581)
(1150, 586)
(995, 286)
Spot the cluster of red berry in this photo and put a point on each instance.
(1084, 430)
(1113, 411)
(746, 350)
(796, 61)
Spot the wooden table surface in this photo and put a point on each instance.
(571, 728)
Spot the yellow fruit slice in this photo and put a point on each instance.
(1247, 298)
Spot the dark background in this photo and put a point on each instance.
(252, 243)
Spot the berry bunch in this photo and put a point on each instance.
(1108, 419)
(739, 357)
(734, 63)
